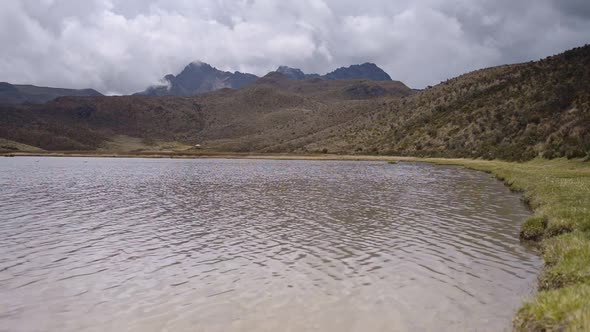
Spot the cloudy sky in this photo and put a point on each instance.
(122, 46)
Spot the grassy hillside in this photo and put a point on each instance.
(281, 115)
(11, 146)
(514, 112)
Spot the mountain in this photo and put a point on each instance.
(511, 112)
(366, 71)
(296, 73)
(198, 78)
(291, 73)
(369, 71)
(21, 94)
(272, 114)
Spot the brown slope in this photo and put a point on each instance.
(85, 123)
(268, 115)
(278, 114)
(339, 90)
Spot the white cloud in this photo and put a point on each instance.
(122, 46)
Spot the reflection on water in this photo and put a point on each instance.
(241, 245)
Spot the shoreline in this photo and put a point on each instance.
(556, 191)
(211, 155)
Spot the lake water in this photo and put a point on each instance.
(90, 244)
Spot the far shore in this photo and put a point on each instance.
(210, 155)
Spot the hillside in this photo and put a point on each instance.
(280, 115)
(86, 123)
(22, 94)
(513, 112)
(336, 90)
(274, 113)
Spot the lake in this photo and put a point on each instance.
(96, 244)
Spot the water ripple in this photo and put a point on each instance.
(238, 245)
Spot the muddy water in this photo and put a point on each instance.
(237, 245)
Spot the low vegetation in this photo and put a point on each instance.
(11, 146)
(129, 145)
(90, 123)
(558, 191)
(513, 112)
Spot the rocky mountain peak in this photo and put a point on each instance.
(369, 71)
(292, 73)
(197, 78)
(200, 77)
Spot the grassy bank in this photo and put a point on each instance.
(558, 191)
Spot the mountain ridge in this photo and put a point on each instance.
(200, 77)
(367, 70)
(26, 93)
(197, 78)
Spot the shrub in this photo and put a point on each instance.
(533, 228)
(575, 153)
(558, 227)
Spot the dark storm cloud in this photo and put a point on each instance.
(575, 8)
(121, 46)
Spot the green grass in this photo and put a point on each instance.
(533, 229)
(127, 144)
(12, 146)
(558, 191)
(564, 309)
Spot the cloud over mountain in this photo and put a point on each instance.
(121, 46)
